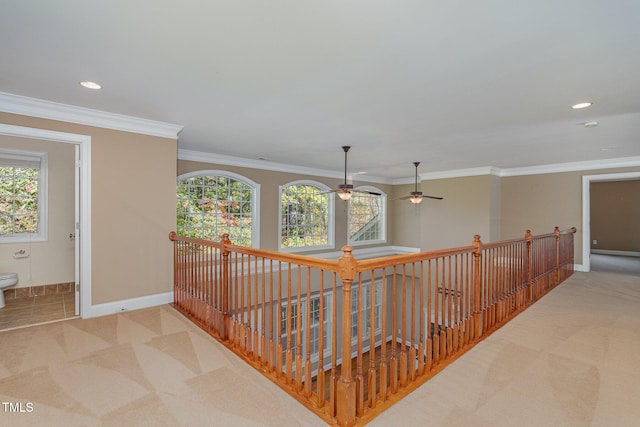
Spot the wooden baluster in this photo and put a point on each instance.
(240, 314)
(346, 390)
(421, 322)
(359, 378)
(528, 267)
(321, 375)
(412, 348)
(271, 357)
(207, 287)
(299, 331)
(456, 303)
(371, 377)
(225, 288)
(403, 330)
(200, 309)
(279, 348)
(477, 286)
(556, 232)
(450, 297)
(383, 350)
(333, 384)
(308, 366)
(437, 328)
(263, 322)
(430, 332)
(393, 361)
(289, 352)
(467, 298)
(248, 322)
(443, 306)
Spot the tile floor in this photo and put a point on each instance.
(38, 309)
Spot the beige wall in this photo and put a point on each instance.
(270, 182)
(615, 215)
(471, 206)
(541, 202)
(133, 209)
(52, 261)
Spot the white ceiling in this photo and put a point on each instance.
(453, 84)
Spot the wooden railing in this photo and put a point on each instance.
(349, 337)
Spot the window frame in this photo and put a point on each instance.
(366, 310)
(43, 193)
(301, 316)
(383, 220)
(255, 196)
(330, 217)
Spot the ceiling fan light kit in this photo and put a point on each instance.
(416, 196)
(344, 191)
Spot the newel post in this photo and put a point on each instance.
(346, 387)
(477, 285)
(226, 296)
(176, 297)
(556, 231)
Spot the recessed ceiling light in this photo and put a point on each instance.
(590, 124)
(581, 105)
(90, 85)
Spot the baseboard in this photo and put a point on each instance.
(611, 252)
(130, 304)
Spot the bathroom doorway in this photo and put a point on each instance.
(65, 298)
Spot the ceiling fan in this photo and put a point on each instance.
(345, 190)
(416, 196)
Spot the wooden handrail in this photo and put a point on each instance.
(347, 360)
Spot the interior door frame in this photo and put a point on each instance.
(586, 209)
(83, 201)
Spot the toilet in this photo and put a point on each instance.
(6, 281)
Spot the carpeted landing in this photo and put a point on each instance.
(572, 359)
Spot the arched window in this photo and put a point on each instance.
(367, 217)
(211, 203)
(306, 216)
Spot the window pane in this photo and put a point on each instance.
(18, 200)
(209, 206)
(305, 217)
(366, 217)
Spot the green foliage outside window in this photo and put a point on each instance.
(18, 200)
(209, 206)
(305, 217)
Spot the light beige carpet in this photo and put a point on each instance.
(572, 359)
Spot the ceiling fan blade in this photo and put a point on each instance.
(373, 193)
(428, 197)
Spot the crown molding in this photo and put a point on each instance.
(16, 104)
(198, 156)
(220, 159)
(459, 173)
(622, 162)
